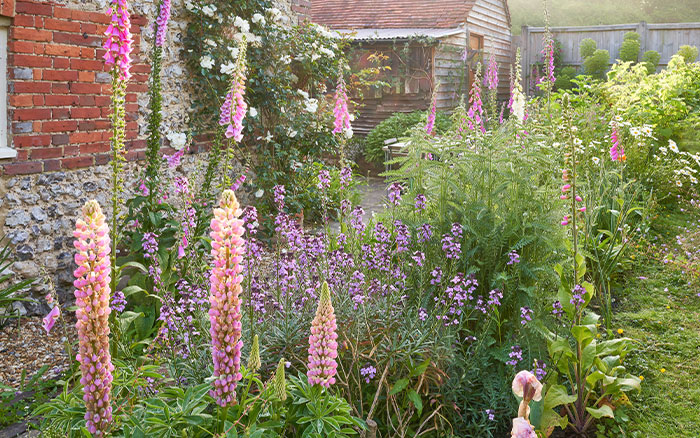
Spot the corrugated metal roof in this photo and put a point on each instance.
(397, 34)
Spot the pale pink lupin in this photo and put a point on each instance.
(323, 347)
(118, 44)
(227, 249)
(92, 294)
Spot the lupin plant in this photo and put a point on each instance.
(227, 249)
(118, 46)
(254, 363)
(323, 347)
(234, 109)
(279, 382)
(92, 293)
(155, 117)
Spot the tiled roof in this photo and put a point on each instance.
(390, 14)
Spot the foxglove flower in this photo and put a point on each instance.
(227, 250)
(491, 79)
(234, 108)
(118, 44)
(433, 112)
(617, 152)
(92, 292)
(162, 22)
(341, 113)
(476, 109)
(323, 348)
(50, 318)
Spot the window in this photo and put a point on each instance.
(476, 47)
(5, 150)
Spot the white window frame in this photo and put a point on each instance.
(5, 150)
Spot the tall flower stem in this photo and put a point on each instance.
(117, 163)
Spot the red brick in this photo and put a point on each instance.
(85, 137)
(21, 46)
(59, 125)
(99, 100)
(61, 63)
(30, 61)
(86, 113)
(93, 148)
(37, 74)
(22, 168)
(60, 113)
(59, 12)
(75, 162)
(84, 64)
(60, 139)
(86, 76)
(102, 159)
(86, 125)
(20, 100)
(50, 165)
(32, 87)
(76, 39)
(67, 26)
(25, 141)
(33, 8)
(42, 153)
(81, 88)
(22, 33)
(60, 75)
(62, 50)
(89, 28)
(31, 114)
(61, 100)
(23, 20)
(71, 150)
(88, 53)
(60, 88)
(38, 99)
(90, 17)
(91, 101)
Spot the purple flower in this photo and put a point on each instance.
(162, 22)
(514, 258)
(525, 315)
(422, 314)
(557, 309)
(50, 318)
(395, 193)
(419, 258)
(495, 297)
(324, 179)
(516, 355)
(539, 370)
(491, 414)
(451, 243)
(118, 301)
(345, 177)
(150, 244)
(402, 236)
(175, 159)
(491, 79)
(368, 373)
(425, 232)
(279, 193)
(420, 202)
(577, 296)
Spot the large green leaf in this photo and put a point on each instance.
(603, 411)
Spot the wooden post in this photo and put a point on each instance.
(643, 31)
(525, 56)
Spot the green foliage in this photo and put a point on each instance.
(9, 289)
(597, 64)
(651, 59)
(689, 53)
(587, 47)
(564, 78)
(398, 126)
(629, 51)
(631, 36)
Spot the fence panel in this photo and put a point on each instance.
(665, 38)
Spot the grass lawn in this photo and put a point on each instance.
(662, 312)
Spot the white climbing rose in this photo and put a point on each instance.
(209, 10)
(242, 24)
(252, 112)
(206, 62)
(258, 19)
(228, 69)
(178, 140)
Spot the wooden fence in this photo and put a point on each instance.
(665, 38)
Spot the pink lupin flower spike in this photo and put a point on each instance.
(227, 249)
(92, 294)
(323, 348)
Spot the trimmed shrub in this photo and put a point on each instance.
(564, 78)
(397, 126)
(597, 64)
(634, 36)
(629, 51)
(689, 53)
(587, 48)
(651, 60)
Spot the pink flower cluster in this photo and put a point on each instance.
(433, 111)
(92, 292)
(323, 348)
(565, 194)
(617, 152)
(476, 108)
(227, 250)
(119, 40)
(342, 115)
(233, 117)
(548, 52)
(162, 22)
(491, 79)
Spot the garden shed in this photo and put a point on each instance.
(423, 43)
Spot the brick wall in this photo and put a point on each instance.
(59, 89)
(302, 8)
